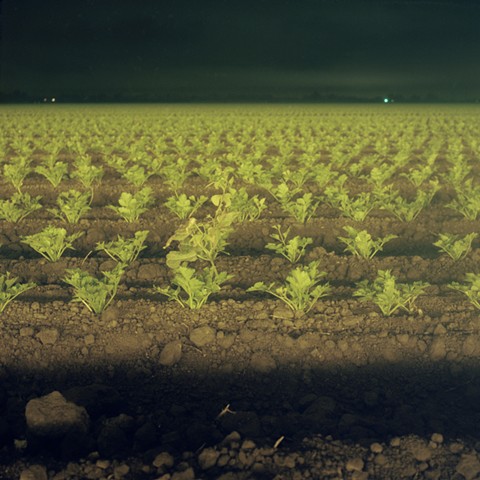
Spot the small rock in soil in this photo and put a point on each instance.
(469, 466)
(202, 336)
(53, 416)
(163, 459)
(208, 458)
(171, 353)
(438, 350)
(34, 472)
(262, 363)
(48, 336)
(355, 465)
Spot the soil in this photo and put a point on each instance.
(242, 388)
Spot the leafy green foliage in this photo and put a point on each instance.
(301, 289)
(457, 173)
(87, 173)
(72, 205)
(51, 242)
(468, 200)
(455, 246)
(10, 289)
(418, 176)
(124, 250)
(193, 288)
(201, 240)
(302, 208)
(356, 207)
(405, 210)
(245, 208)
(95, 294)
(136, 175)
(54, 172)
(471, 290)
(361, 243)
(18, 207)
(131, 206)
(292, 249)
(175, 173)
(16, 173)
(184, 206)
(389, 295)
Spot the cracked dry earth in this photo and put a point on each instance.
(242, 388)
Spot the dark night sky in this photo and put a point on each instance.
(212, 48)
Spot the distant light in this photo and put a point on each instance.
(53, 100)
(386, 100)
(45, 99)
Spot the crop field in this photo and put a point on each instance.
(306, 277)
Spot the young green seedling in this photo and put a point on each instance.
(51, 242)
(471, 290)
(16, 174)
(72, 205)
(53, 172)
(193, 288)
(95, 294)
(356, 207)
(389, 295)
(10, 289)
(86, 173)
(124, 250)
(361, 243)
(292, 249)
(468, 200)
(136, 175)
(18, 207)
(455, 246)
(302, 208)
(407, 211)
(131, 206)
(184, 207)
(301, 289)
(201, 240)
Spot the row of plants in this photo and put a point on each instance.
(53, 241)
(303, 159)
(305, 169)
(72, 205)
(202, 242)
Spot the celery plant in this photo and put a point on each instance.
(53, 172)
(124, 250)
(455, 246)
(301, 289)
(201, 240)
(95, 294)
(72, 205)
(302, 208)
(51, 242)
(471, 290)
(193, 288)
(18, 207)
(389, 295)
(292, 249)
(361, 243)
(468, 200)
(15, 173)
(10, 289)
(184, 206)
(131, 206)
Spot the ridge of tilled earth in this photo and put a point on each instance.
(238, 458)
(364, 379)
